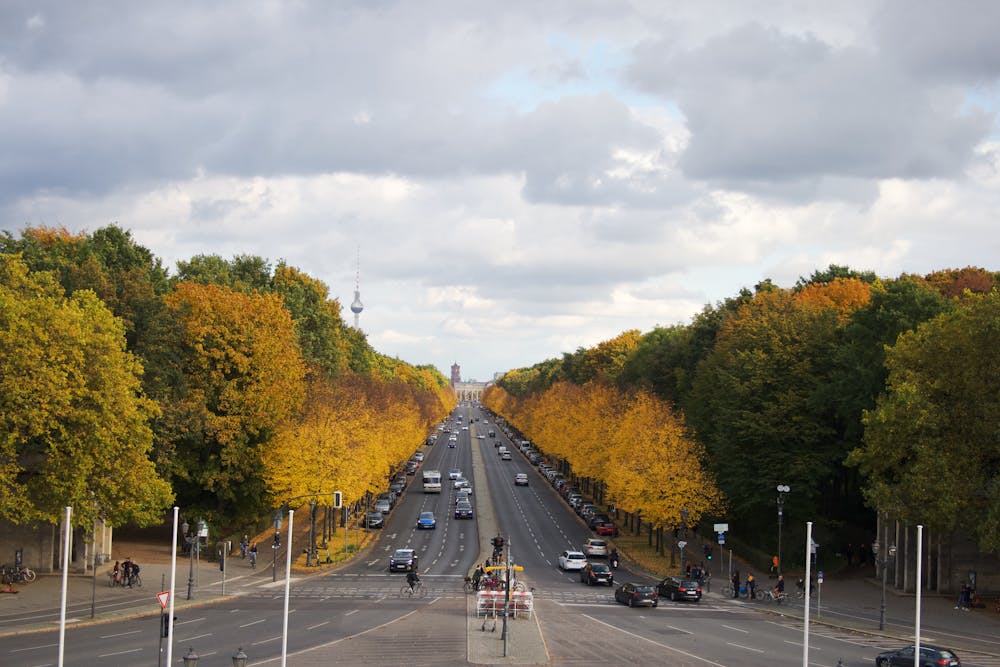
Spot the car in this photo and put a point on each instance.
(677, 588)
(462, 483)
(463, 510)
(521, 479)
(572, 560)
(597, 573)
(505, 456)
(929, 655)
(397, 488)
(382, 505)
(596, 518)
(595, 547)
(463, 495)
(492, 433)
(607, 529)
(636, 595)
(426, 520)
(411, 468)
(501, 450)
(454, 473)
(452, 444)
(465, 428)
(480, 437)
(403, 560)
(418, 456)
(373, 520)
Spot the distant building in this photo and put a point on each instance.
(456, 374)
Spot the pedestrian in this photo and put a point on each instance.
(963, 598)
(244, 545)
(736, 583)
(774, 565)
(849, 551)
(863, 554)
(751, 586)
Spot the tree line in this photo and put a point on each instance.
(862, 394)
(227, 389)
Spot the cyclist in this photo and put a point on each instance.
(779, 588)
(253, 556)
(244, 545)
(476, 577)
(613, 559)
(412, 579)
(134, 577)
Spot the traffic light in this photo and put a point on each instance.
(277, 541)
(165, 625)
(708, 552)
(337, 500)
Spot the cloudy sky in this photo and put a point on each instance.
(522, 178)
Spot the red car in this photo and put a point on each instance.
(606, 528)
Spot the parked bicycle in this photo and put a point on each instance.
(13, 575)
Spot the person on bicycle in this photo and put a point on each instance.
(476, 577)
(779, 588)
(412, 579)
(134, 576)
(127, 572)
(613, 559)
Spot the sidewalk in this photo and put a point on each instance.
(843, 600)
(36, 606)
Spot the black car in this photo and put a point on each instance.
(597, 573)
(403, 560)
(374, 520)
(676, 588)
(636, 595)
(930, 656)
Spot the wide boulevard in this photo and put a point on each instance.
(356, 615)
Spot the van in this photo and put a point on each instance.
(501, 450)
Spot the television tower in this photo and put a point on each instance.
(357, 306)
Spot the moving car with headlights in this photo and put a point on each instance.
(403, 560)
(597, 573)
(572, 560)
(930, 656)
(636, 595)
(426, 520)
(595, 547)
(462, 483)
(463, 510)
(677, 588)
(521, 479)
(463, 495)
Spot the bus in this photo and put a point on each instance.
(432, 481)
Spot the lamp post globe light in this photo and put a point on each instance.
(190, 541)
(782, 490)
(883, 562)
(191, 659)
(240, 659)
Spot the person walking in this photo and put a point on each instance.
(774, 566)
(244, 545)
(963, 598)
(751, 586)
(736, 583)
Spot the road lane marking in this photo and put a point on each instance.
(109, 655)
(120, 634)
(729, 627)
(746, 648)
(318, 625)
(655, 643)
(247, 625)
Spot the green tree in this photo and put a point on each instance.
(931, 452)
(74, 425)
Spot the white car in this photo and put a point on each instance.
(521, 479)
(572, 560)
(480, 437)
(454, 473)
(462, 483)
(595, 547)
(505, 456)
(418, 456)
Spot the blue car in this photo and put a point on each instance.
(426, 520)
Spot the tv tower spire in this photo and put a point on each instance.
(357, 306)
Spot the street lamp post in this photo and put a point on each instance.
(683, 543)
(312, 532)
(782, 490)
(189, 540)
(883, 563)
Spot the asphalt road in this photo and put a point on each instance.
(355, 615)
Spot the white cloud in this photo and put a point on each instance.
(522, 179)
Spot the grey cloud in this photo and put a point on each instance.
(764, 106)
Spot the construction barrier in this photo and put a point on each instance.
(492, 602)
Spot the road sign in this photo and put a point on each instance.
(722, 538)
(682, 544)
(721, 527)
(164, 598)
(819, 577)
